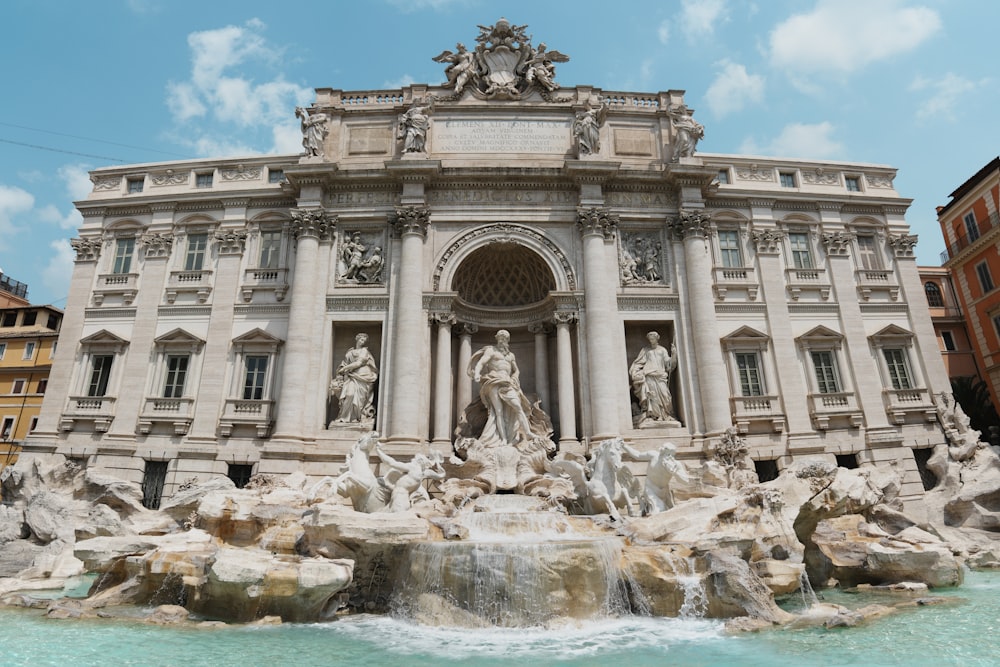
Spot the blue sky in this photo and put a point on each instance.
(909, 83)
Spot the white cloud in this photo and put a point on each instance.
(287, 138)
(410, 6)
(841, 36)
(663, 32)
(50, 214)
(57, 272)
(401, 82)
(13, 202)
(77, 180)
(699, 17)
(942, 93)
(733, 88)
(799, 140)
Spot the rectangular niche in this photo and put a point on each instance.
(635, 341)
(343, 339)
(369, 141)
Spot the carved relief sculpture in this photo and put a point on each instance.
(360, 261)
(314, 130)
(650, 374)
(639, 259)
(688, 131)
(354, 383)
(413, 126)
(587, 130)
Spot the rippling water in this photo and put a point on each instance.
(966, 634)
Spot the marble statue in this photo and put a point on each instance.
(610, 477)
(354, 382)
(688, 131)
(314, 131)
(413, 126)
(639, 259)
(733, 455)
(495, 369)
(408, 480)
(539, 68)
(357, 479)
(963, 440)
(650, 374)
(361, 261)
(663, 468)
(461, 67)
(587, 130)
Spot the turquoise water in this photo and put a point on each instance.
(966, 634)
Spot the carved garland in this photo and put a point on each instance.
(503, 230)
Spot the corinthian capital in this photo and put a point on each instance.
(837, 243)
(411, 220)
(691, 223)
(903, 244)
(315, 222)
(768, 241)
(87, 250)
(597, 221)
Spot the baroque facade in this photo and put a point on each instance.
(215, 319)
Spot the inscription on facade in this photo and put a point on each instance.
(503, 196)
(501, 136)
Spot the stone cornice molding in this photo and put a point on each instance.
(758, 202)
(895, 209)
(591, 172)
(691, 223)
(163, 206)
(767, 241)
(231, 242)
(829, 206)
(155, 245)
(838, 244)
(243, 202)
(87, 250)
(316, 223)
(597, 221)
(407, 220)
(903, 244)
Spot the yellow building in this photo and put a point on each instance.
(27, 346)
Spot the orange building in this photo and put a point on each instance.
(970, 223)
(27, 346)
(949, 323)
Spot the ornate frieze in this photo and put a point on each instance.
(105, 183)
(155, 245)
(360, 260)
(87, 250)
(640, 259)
(170, 177)
(903, 244)
(837, 243)
(819, 176)
(690, 223)
(411, 220)
(231, 241)
(597, 221)
(640, 304)
(767, 241)
(314, 222)
(878, 181)
(373, 303)
(752, 173)
(241, 173)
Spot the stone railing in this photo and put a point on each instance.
(749, 409)
(275, 280)
(807, 279)
(176, 411)
(869, 280)
(248, 412)
(844, 404)
(97, 409)
(198, 282)
(900, 402)
(727, 278)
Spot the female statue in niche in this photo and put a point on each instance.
(650, 374)
(354, 383)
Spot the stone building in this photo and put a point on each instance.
(949, 323)
(214, 302)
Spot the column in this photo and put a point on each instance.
(463, 384)
(541, 331)
(564, 381)
(442, 379)
(308, 226)
(598, 226)
(410, 223)
(693, 227)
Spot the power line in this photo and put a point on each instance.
(99, 141)
(60, 150)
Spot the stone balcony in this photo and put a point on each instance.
(246, 412)
(743, 279)
(902, 402)
(99, 410)
(175, 411)
(197, 282)
(878, 280)
(800, 280)
(260, 280)
(748, 410)
(124, 284)
(839, 406)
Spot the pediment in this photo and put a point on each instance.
(746, 333)
(257, 337)
(821, 334)
(893, 332)
(179, 336)
(103, 337)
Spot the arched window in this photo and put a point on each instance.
(933, 292)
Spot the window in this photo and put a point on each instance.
(729, 248)
(853, 183)
(849, 461)
(135, 185)
(123, 255)
(29, 350)
(933, 293)
(52, 351)
(899, 374)
(195, 258)
(100, 374)
(748, 369)
(7, 430)
(29, 318)
(240, 473)
(152, 484)
(203, 180)
(867, 253)
(275, 175)
(43, 384)
(9, 318)
(827, 377)
(177, 368)
(801, 254)
(3, 349)
(270, 249)
(33, 425)
(767, 470)
(971, 228)
(948, 340)
(723, 176)
(53, 322)
(985, 279)
(17, 387)
(253, 381)
(787, 179)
